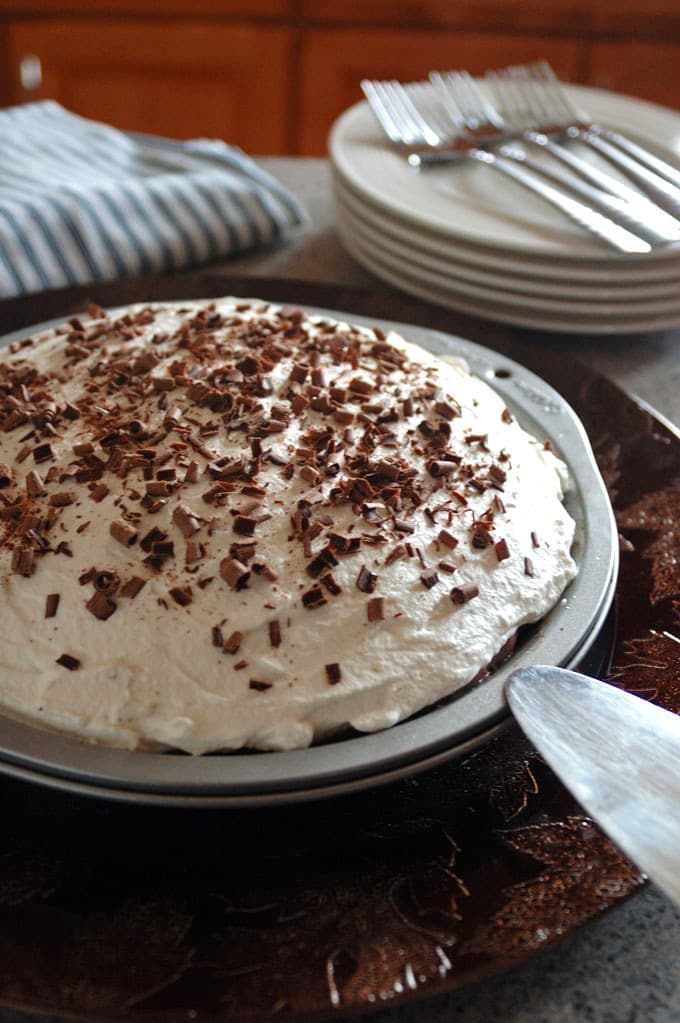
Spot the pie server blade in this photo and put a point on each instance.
(617, 754)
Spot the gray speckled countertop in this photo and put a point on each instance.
(625, 967)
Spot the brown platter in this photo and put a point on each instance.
(118, 912)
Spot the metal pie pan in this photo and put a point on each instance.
(564, 637)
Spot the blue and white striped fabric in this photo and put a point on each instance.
(82, 201)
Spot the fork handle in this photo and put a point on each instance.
(603, 192)
(596, 223)
(639, 153)
(664, 194)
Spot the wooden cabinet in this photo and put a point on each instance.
(183, 79)
(640, 67)
(272, 75)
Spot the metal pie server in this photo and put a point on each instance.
(617, 754)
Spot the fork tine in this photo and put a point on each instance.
(374, 93)
(543, 96)
(509, 99)
(481, 101)
(519, 101)
(391, 100)
(451, 106)
(543, 75)
(413, 114)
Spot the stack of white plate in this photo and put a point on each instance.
(465, 237)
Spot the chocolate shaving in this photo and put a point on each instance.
(501, 550)
(429, 578)
(34, 484)
(192, 473)
(463, 593)
(324, 559)
(123, 532)
(375, 609)
(445, 409)
(42, 453)
(106, 582)
(366, 580)
(51, 604)
(182, 595)
(258, 685)
(245, 525)
(23, 561)
(159, 488)
(62, 499)
(396, 554)
(333, 673)
(313, 598)
(344, 544)
(234, 573)
(163, 549)
(448, 539)
(331, 585)
(186, 520)
(233, 643)
(100, 605)
(69, 662)
(132, 587)
(481, 537)
(275, 633)
(99, 493)
(528, 567)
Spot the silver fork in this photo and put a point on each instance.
(419, 128)
(536, 94)
(472, 111)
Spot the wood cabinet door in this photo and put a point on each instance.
(334, 62)
(179, 79)
(638, 67)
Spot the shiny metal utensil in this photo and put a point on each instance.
(549, 109)
(418, 129)
(617, 754)
(514, 117)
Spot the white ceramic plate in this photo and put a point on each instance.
(405, 279)
(489, 269)
(466, 202)
(502, 290)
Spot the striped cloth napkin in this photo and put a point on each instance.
(82, 201)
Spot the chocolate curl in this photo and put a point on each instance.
(234, 573)
(186, 520)
(123, 532)
(463, 593)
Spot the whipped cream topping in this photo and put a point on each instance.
(228, 524)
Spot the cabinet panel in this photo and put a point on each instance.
(188, 8)
(498, 15)
(182, 80)
(333, 64)
(645, 69)
(621, 17)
